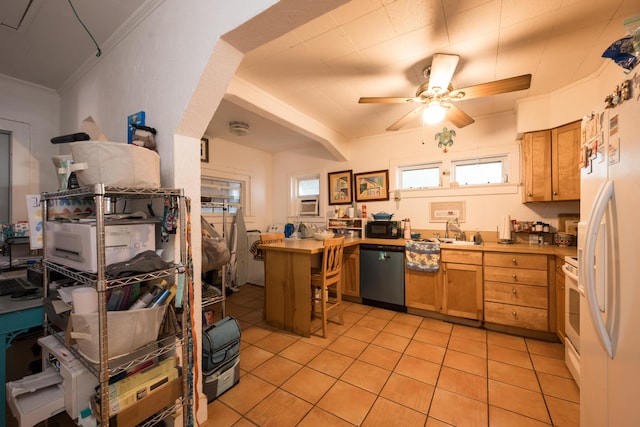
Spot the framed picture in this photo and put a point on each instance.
(372, 186)
(568, 223)
(340, 188)
(204, 150)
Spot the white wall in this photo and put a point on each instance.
(32, 114)
(484, 211)
(569, 103)
(157, 67)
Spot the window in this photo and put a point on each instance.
(419, 176)
(308, 186)
(487, 170)
(307, 195)
(216, 192)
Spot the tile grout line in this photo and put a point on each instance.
(402, 354)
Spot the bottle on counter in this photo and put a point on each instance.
(364, 211)
(407, 229)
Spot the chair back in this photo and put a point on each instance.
(332, 259)
(272, 238)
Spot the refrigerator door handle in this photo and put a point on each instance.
(604, 195)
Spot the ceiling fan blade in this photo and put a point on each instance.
(511, 84)
(458, 117)
(386, 100)
(405, 119)
(442, 69)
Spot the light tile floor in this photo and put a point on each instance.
(383, 368)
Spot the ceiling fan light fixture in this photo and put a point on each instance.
(434, 113)
(238, 128)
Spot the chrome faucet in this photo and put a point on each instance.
(453, 221)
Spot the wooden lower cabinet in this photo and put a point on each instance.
(422, 290)
(462, 290)
(516, 290)
(516, 315)
(455, 290)
(351, 271)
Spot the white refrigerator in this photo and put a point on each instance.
(609, 266)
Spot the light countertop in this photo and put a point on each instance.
(315, 246)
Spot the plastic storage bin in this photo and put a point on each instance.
(115, 164)
(128, 331)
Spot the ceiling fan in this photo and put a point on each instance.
(436, 96)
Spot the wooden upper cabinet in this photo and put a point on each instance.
(550, 164)
(536, 162)
(565, 156)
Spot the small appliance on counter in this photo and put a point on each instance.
(307, 231)
(383, 230)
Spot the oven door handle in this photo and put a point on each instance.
(573, 277)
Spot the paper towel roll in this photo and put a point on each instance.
(84, 300)
(505, 231)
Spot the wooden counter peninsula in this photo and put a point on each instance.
(287, 282)
(288, 265)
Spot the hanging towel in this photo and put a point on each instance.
(422, 256)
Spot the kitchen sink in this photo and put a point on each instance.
(458, 243)
(448, 241)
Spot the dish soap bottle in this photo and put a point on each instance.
(407, 229)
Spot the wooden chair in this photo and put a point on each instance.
(326, 283)
(271, 237)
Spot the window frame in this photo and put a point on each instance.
(298, 199)
(418, 166)
(232, 207)
(486, 159)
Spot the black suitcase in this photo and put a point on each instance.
(220, 357)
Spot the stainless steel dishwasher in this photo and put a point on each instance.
(382, 276)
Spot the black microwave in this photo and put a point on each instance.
(383, 229)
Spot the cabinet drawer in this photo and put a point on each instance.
(523, 295)
(523, 276)
(533, 261)
(515, 315)
(461, 257)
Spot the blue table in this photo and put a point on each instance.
(16, 317)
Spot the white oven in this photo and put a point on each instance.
(573, 294)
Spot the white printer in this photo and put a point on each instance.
(64, 384)
(74, 243)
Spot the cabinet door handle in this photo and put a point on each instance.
(555, 193)
(514, 261)
(515, 276)
(514, 291)
(514, 314)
